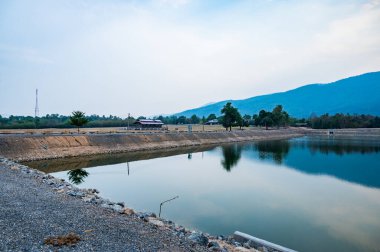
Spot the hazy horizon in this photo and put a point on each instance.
(162, 57)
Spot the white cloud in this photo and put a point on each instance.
(355, 34)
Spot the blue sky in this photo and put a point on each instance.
(160, 57)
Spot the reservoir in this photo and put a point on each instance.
(308, 194)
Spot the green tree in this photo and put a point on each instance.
(194, 119)
(37, 122)
(161, 118)
(239, 119)
(267, 121)
(246, 120)
(230, 115)
(255, 119)
(203, 120)
(264, 119)
(78, 119)
(182, 119)
(279, 116)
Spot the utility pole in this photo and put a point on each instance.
(128, 120)
(36, 109)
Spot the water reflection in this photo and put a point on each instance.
(73, 163)
(341, 147)
(77, 176)
(231, 156)
(349, 159)
(313, 155)
(276, 150)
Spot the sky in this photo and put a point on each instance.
(155, 57)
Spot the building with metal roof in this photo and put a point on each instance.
(147, 123)
(212, 122)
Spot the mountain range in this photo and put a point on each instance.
(354, 95)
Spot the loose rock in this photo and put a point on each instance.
(199, 238)
(128, 211)
(156, 222)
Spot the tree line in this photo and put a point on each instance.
(230, 117)
(278, 117)
(341, 121)
(61, 121)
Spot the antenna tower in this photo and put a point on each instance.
(36, 109)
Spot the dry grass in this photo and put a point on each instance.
(113, 130)
(64, 240)
(195, 128)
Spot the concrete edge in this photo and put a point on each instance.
(243, 237)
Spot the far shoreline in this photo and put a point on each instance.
(23, 147)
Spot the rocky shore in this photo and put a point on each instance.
(35, 206)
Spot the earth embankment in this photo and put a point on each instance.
(37, 147)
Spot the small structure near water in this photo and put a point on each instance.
(212, 122)
(148, 124)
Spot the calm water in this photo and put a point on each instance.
(308, 194)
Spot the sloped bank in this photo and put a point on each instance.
(38, 147)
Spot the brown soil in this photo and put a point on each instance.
(63, 240)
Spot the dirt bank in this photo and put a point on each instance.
(72, 163)
(38, 147)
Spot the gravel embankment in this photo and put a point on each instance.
(35, 206)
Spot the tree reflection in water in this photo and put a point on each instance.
(231, 156)
(341, 147)
(77, 176)
(276, 150)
